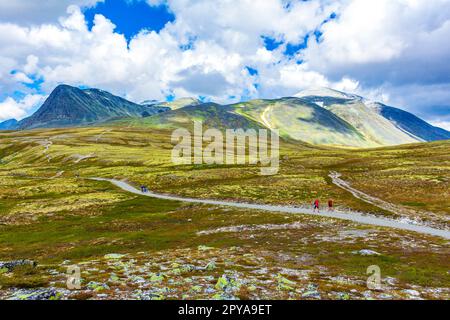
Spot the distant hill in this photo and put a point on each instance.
(69, 106)
(180, 103)
(212, 115)
(8, 124)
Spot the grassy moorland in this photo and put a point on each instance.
(51, 214)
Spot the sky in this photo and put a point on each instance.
(393, 51)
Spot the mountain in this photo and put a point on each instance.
(212, 115)
(410, 123)
(181, 103)
(69, 106)
(319, 92)
(318, 116)
(8, 124)
(380, 125)
(302, 120)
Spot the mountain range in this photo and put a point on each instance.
(319, 116)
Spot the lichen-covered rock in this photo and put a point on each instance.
(11, 265)
(36, 294)
(311, 292)
(156, 277)
(182, 269)
(228, 284)
(97, 286)
(147, 295)
(366, 252)
(196, 289)
(114, 256)
(210, 266)
(204, 248)
(284, 284)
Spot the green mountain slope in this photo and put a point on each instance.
(69, 106)
(302, 120)
(211, 114)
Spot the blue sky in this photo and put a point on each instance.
(227, 51)
(130, 17)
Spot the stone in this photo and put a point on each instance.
(97, 286)
(411, 292)
(227, 284)
(114, 278)
(284, 284)
(11, 265)
(366, 252)
(114, 256)
(204, 248)
(210, 266)
(311, 292)
(156, 277)
(36, 294)
(197, 289)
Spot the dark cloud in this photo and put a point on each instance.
(202, 83)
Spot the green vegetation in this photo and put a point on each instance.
(50, 213)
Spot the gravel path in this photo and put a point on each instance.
(348, 215)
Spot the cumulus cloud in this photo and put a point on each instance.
(381, 41)
(392, 51)
(28, 12)
(11, 109)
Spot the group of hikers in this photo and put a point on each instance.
(316, 205)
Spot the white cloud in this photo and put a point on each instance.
(30, 12)
(441, 124)
(11, 109)
(379, 41)
(393, 51)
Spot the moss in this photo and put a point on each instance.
(24, 277)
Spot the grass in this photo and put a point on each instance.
(23, 277)
(51, 219)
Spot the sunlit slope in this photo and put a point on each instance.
(380, 124)
(376, 129)
(212, 115)
(304, 121)
(410, 123)
(321, 116)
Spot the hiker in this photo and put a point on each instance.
(316, 206)
(330, 205)
(143, 189)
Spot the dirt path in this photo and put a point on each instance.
(351, 216)
(264, 118)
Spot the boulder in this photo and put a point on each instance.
(11, 265)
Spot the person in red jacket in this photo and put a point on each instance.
(316, 206)
(330, 205)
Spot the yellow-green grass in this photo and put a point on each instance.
(49, 212)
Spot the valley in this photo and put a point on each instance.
(132, 246)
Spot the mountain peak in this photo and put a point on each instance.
(8, 124)
(325, 92)
(71, 106)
